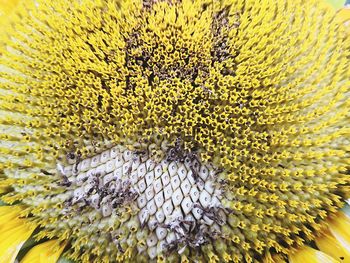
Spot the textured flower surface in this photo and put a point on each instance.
(178, 130)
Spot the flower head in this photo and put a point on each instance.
(174, 130)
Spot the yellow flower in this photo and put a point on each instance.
(174, 130)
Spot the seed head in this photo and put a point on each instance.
(175, 130)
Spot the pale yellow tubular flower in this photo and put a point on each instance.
(310, 255)
(13, 233)
(47, 252)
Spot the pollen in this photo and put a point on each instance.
(175, 130)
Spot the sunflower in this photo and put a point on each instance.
(174, 131)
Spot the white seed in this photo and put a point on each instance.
(110, 166)
(203, 173)
(165, 178)
(114, 152)
(172, 168)
(106, 210)
(175, 182)
(161, 233)
(95, 161)
(151, 207)
(158, 171)
(126, 168)
(168, 208)
(158, 185)
(168, 191)
(197, 213)
(141, 201)
(150, 164)
(135, 163)
(127, 155)
(119, 162)
(85, 165)
(118, 174)
(141, 170)
(141, 185)
(177, 197)
(160, 215)
(149, 178)
(187, 205)
(152, 223)
(105, 156)
(95, 200)
(134, 178)
(143, 215)
(159, 199)
(151, 240)
(205, 199)
(149, 193)
(182, 172)
(185, 187)
(194, 193)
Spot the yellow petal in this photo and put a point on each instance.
(330, 245)
(309, 255)
(47, 252)
(343, 16)
(7, 7)
(4, 189)
(8, 213)
(12, 236)
(339, 235)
